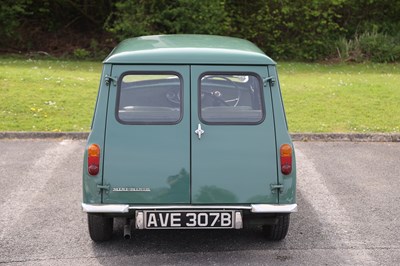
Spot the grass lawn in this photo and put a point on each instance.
(47, 95)
(341, 98)
(51, 95)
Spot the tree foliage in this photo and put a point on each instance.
(54, 26)
(287, 29)
(10, 11)
(284, 29)
(143, 17)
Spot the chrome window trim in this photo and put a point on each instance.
(124, 208)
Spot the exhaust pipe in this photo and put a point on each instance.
(127, 229)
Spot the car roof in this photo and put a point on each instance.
(187, 49)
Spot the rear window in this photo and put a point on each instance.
(153, 98)
(231, 99)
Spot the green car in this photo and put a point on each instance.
(189, 132)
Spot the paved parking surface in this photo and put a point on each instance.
(349, 213)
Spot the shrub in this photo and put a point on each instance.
(379, 47)
(284, 29)
(369, 46)
(80, 53)
(143, 17)
(10, 10)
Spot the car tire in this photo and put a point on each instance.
(100, 227)
(279, 230)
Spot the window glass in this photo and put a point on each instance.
(231, 99)
(149, 99)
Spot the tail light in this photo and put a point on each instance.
(286, 159)
(93, 159)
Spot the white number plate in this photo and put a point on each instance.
(188, 219)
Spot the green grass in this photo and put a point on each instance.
(51, 95)
(47, 95)
(341, 98)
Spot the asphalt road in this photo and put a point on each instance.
(349, 213)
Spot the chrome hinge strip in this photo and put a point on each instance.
(271, 80)
(106, 188)
(277, 187)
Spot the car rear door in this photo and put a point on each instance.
(155, 151)
(232, 136)
(147, 143)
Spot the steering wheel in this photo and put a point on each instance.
(173, 95)
(216, 95)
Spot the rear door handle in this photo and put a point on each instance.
(199, 131)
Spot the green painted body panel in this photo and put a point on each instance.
(90, 191)
(187, 49)
(288, 194)
(155, 157)
(233, 163)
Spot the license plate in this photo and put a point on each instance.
(188, 219)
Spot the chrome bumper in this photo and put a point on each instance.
(124, 208)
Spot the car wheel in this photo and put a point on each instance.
(100, 227)
(279, 230)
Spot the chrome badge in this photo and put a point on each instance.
(131, 189)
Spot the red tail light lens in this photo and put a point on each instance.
(286, 159)
(93, 159)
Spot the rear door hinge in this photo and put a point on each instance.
(277, 187)
(108, 80)
(271, 80)
(105, 188)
